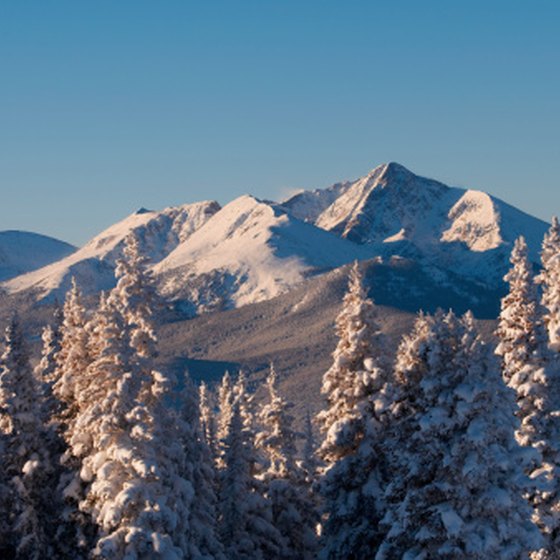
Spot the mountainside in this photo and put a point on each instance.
(250, 251)
(93, 265)
(309, 205)
(207, 257)
(296, 331)
(23, 251)
(396, 212)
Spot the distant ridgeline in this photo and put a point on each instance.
(440, 245)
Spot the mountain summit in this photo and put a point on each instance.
(396, 212)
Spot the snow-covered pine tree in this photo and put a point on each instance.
(133, 492)
(309, 462)
(68, 522)
(245, 526)
(136, 297)
(357, 391)
(285, 482)
(26, 462)
(533, 372)
(226, 398)
(126, 436)
(245, 399)
(549, 278)
(73, 358)
(457, 470)
(520, 330)
(198, 468)
(208, 419)
(6, 537)
(45, 371)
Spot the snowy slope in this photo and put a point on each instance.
(396, 212)
(309, 205)
(388, 203)
(23, 251)
(93, 265)
(250, 251)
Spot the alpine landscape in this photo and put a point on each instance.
(279, 280)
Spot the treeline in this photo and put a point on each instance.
(450, 449)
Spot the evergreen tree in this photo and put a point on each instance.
(309, 462)
(198, 469)
(72, 359)
(133, 493)
(208, 419)
(457, 470)
(66, 356)
(357, 392)
(6, 503)
(45, 372)
(136, 297)
(226, 399)
(145, 465)
(26, 463)
(246, 528)
(285, 483)
(549, 278)
(533, 372)
(520, 330)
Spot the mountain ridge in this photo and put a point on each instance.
(251, 250)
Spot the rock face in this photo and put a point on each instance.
(252, 250)
(390, 203)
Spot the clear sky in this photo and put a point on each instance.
(107, 106)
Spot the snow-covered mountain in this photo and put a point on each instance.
(93, 265)
(396, 212)
(23, 251)
(252, 250)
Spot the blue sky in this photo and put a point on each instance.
(109, 106)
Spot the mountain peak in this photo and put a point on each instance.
(390, 172)
(395, 169)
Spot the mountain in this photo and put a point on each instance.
(250, 251)
(206, 257)
(395, 212)
(93, 265)
(23, 251)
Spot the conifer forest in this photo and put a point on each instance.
(449, 449)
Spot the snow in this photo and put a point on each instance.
(309, 205)
(475, 221)
(159, 231)
(399, 236)
(451, 519)
(395, 211)
(260, 246)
